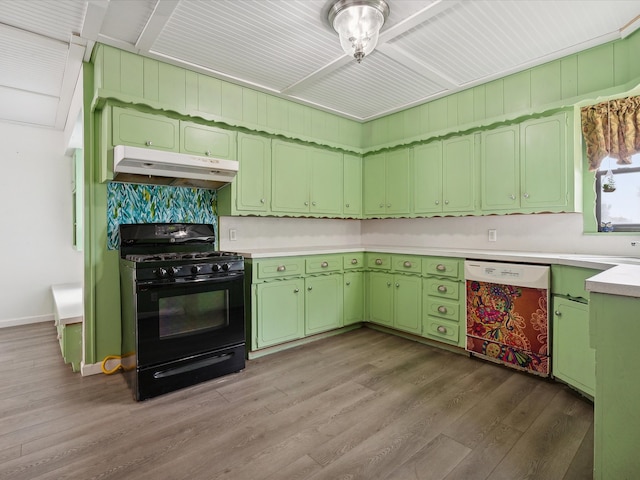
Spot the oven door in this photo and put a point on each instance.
(182, 319)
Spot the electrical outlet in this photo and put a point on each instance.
(493, 235)
(232, 234)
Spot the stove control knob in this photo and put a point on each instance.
(172, 271)
(226, 267)
(195, 269)
(215, 267)
(161, 272)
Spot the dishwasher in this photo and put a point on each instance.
(507, 314)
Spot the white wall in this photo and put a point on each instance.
(549, 233)
(36, 213)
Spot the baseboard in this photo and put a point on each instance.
(14, 322)
(87, 369)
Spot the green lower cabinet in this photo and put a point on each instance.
(443, 313)
(279, 312)
(323, 301)
(353, 297)
(574, 361)
(70, 338)
(396, 301)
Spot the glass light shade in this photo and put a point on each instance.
(358, 27)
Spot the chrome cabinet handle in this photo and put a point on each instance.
(148, 143)
(558, 313)
(347, 205)
(306, 204)
(442, 289)
(441, 268)
(313, 203)
(324, 264)
(309, 288)
(354, 261)
(296, 290)
(388, 284)
(348, 283)
(437, 202)
(262, 200)
(397, 285)
(512, 197)
(442, 309)
(388, 205)
(382, 205)
(526, 195)
(407, 264)
(441, 329)
(208, 153)
(281, 268)
(378, 261)
(446, 202)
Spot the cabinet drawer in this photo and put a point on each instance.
(279, 268)
(378, 261)
(443, 308)
(207, 141)
(569, 281)
(442, 266)
(144, 130)
(406, 263)
(442, 288)
(352, 261)
(441, 329)
(324, 263)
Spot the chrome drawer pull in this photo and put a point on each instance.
(354, 261)
(407, 264)
(378, 261)
(324, 264)
(281, 268)
(442, 289)
(441, 329)
(442, 309)
(441, 268)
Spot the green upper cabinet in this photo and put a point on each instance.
(250, 191)
(138, 129)
(386, 184)
(544, 166)
(306, 180)
(500, 169)
(352, 186)
(458, 174)
(207, 141)
(427, 178)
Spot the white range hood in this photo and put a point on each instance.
(146, 165)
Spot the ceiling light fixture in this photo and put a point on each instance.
(358, 22)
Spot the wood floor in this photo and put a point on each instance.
(361, 405)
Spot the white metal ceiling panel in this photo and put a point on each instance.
(51, 18)
(379, 84)
(125, 19)
(480, 39)
(271, 44)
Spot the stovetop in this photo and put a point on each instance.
(171, 256)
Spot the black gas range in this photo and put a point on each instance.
(182, 307)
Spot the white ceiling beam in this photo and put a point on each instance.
(399, 28)
(72, 69)
(156, 22)
(92, 24)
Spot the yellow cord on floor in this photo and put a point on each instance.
(114, 369)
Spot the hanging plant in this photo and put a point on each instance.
(609, 184)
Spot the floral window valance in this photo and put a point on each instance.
(612, 129)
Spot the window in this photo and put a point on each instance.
(618, 210)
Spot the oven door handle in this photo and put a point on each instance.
(207, 362)
(179, 282)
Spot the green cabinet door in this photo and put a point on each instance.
(280, 312)
(381, 298)
(353, 298)
(207, 141)
(427, 178)
(323, 303)
(500, 169)
(397, 191)
(290, 178)
(543, 164)
(326, 182)
(374, 171)
(253, 181)
(458, 174)
(352, 186)
(407, 303)
(574, 361)
(138, 129)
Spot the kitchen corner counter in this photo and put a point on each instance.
(620, 280)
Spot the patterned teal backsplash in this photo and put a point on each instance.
(133, 203)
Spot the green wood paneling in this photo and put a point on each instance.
(151, 80)
(595, 69)
(515, 89)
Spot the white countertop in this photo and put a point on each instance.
(67, 300)
(620, 280)
(620, 276)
